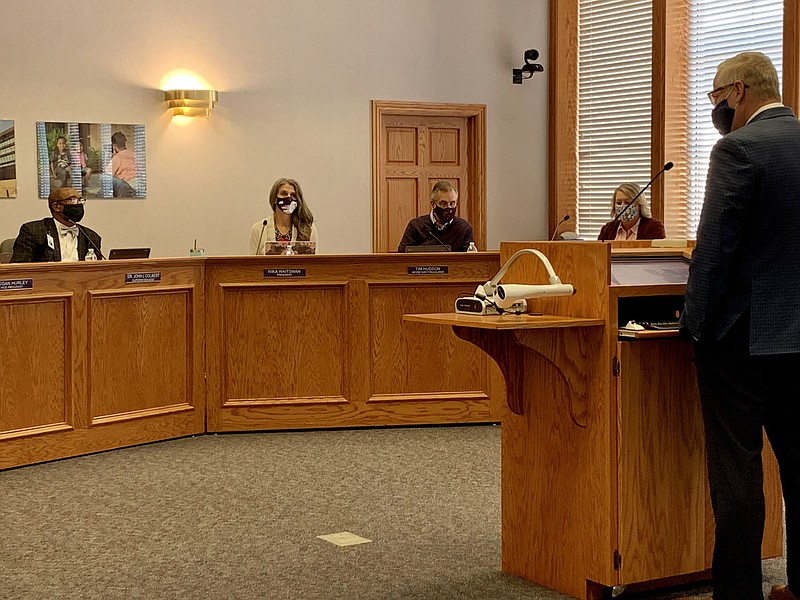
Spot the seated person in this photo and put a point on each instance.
(635, 223)
(291, 219)
(441, 223)
(57, 238)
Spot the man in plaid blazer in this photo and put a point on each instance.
(743, 311)
(45, 240)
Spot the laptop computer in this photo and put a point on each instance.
(123, 253)
(294, 247)
(429, 248)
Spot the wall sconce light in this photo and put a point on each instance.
(529, 68)
(191, 103)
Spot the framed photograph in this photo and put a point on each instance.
(8, 160)
(102, 160)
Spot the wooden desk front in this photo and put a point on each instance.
(319, 341)
(90, 362)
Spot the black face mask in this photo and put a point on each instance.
(73, 212)
(444, 214)
(722, 117)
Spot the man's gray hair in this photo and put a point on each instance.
(442, 187)
(754, 69)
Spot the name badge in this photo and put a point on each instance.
(284, 272)
(16, 284)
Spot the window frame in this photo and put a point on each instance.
(669, 75)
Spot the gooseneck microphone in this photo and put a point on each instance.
(666, 167)
(429, 231)
(88, 239)
(564, 220)
(260, 235)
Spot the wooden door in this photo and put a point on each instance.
(416, 145)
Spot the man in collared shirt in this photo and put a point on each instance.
(441, 227)
(57, 238)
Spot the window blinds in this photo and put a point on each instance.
(720, 29)
(614, 100)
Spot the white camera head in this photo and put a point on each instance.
(506, 294)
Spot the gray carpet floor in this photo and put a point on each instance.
(236, 516)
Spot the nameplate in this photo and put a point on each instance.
(16, 284)
(284, 272)
(142, 277)
(428, 270)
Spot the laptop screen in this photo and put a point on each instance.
(123, 253)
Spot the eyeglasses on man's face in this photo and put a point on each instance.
(73, 200)
(713, 95)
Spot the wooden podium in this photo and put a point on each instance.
(603, 463)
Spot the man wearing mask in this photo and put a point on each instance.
(57, 238)
(441, 227)
(743, 313)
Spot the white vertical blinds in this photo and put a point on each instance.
(720, 29)
(614, 104)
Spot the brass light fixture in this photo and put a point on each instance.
(191, 103)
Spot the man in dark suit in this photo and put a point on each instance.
(57, 238)
(743, 311)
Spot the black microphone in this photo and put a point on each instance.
(564, 220)
(258, 245)
(429, 231)
(666, 167)
(88, 239)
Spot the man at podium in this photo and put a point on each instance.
(743, 310)
(441, 227)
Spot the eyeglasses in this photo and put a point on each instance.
(446, 204)
(73, 200)
(712, 95)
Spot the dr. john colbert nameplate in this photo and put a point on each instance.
(142, 277)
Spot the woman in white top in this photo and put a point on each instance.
(291, 219)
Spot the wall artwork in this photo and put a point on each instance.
(102, 160)
(8, 160)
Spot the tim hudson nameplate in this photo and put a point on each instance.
(142, 277)
(284, 272)
(16, 284)
(428, 270)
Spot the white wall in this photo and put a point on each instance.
(295, 79)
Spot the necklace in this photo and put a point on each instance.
(283, 237)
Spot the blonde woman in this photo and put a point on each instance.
(634, 222)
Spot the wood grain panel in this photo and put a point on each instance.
(284, 343)
(109, 363)
(585, 265)
(403, 198)
(401, 145)
(662, 481)
(140, 349)
(35, 364)
(413, 358)
(445, 146)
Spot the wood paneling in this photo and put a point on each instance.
(344, 357)
(35, 364)
(91, 362)
(140, 352)
(450, 144)
(662, 480)
(284, 343)
(410, 359)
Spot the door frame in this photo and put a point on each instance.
(476, 159)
